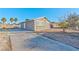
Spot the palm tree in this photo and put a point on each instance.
(27, 20)
(3, 20)
(11, 20)
(16, 19)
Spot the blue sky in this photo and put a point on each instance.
(53, 14)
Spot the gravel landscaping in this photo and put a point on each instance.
(5, 44)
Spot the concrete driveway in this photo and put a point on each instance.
(28, 41)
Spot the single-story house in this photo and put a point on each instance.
(37, 24)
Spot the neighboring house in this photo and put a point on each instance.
(37, 24)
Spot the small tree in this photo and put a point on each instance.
(64, 25)
(73, 18)
(77, 25)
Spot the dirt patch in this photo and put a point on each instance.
(5, 44)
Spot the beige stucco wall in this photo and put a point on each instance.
(8, 25)
(42, 24)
